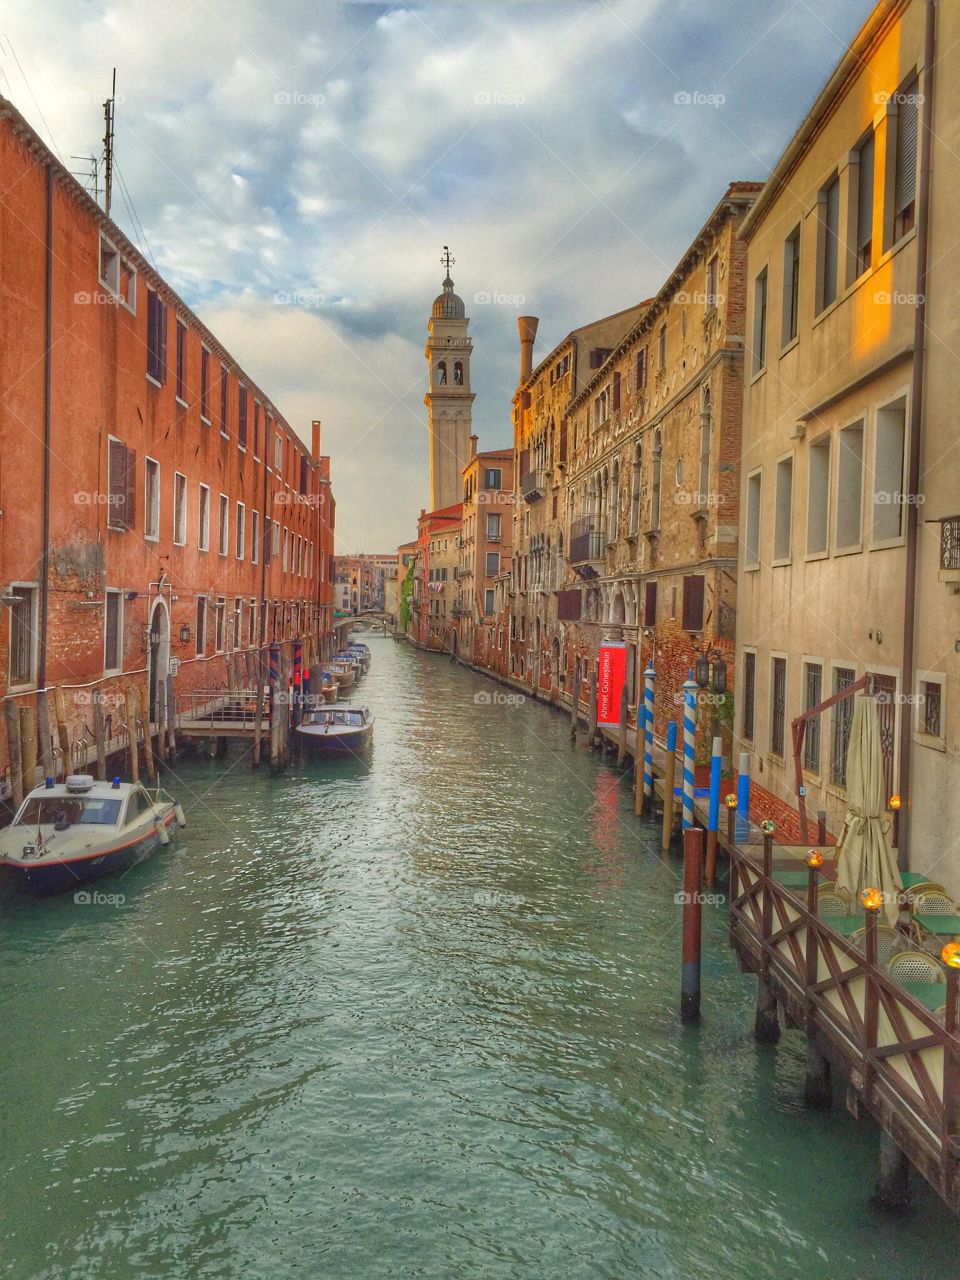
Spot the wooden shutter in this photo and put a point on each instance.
(905, 181)
(130, 487)
(865, 195)
(161, 341)
(831, 243)
(693, 585)
(116, 484)
(242, 419)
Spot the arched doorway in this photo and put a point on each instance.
(158, 654)
(453, 642)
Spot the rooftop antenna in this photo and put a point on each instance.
(108, 112)
(89, 177)
(448, 259)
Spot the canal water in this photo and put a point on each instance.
(414, 1016)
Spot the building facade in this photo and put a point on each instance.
(485, 548)
(160, 517)
(449, 399)
(435, 587)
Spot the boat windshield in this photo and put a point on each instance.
(69, 811)
(353, 719)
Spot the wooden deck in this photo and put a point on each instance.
(231, 714)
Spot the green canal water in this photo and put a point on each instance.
(414, 1017)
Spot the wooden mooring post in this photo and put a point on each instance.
(99, 735)
(133, 716)
(575, 702)
(669, 784)
(692, 898)
(11, 715)
(28, 746)
(63, 736)
(622, 740)
(766, 1027)
(593, 734)
(148, 760)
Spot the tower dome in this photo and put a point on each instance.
(447, 305)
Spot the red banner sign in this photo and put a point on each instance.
(610, 682)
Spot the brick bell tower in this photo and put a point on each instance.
(449, 399)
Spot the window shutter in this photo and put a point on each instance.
(865, 195)
(161, 341)
(693, 602)
(130, 487)
(116, 485)
(905, 182)
(831, 242)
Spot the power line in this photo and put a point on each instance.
(33, 96)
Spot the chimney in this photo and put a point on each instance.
(473, 446)
(528, 332)
(316, 440)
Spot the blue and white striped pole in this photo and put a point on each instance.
(689, 746)
(743, 797)
(649, 676)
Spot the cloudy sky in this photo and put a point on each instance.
(295, 168)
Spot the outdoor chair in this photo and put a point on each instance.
(833, 900)
(933, 901)
(923, 886)
(889, 943)
(915, 966)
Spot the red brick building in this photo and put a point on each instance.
(159, 516)
(432, 623)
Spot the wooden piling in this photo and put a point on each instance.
(99, 735)
(63, 736)
(669, 783)
(171, 708)
(822, 827)
(892, 1191)
(44, 737)
(11, 715)
(133, 715)
(575, 702)
(817, 1085)
(638, 762)
(148, 760)
(258, 709)
(692, 924)
(766, 1026)
(592, 738)
(622, 741)
(28, 746)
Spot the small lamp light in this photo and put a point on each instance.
(719, 676)
(768, 827)
(950, 955)
(730, 800)
(701, 670)
(185, 633)
(814, 858)
(895, 803)
(872, 899)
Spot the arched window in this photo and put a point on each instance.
(635, 490)
(442, 373)
(613, 519)
(655, 488)
(705, 429)
(458, 372)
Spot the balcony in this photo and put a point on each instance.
(585, 542)
(533, 484)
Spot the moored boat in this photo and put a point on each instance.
(345, 674)
(337, 729)
(67, 834)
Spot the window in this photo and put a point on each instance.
(203, 519)
(220, 612)
(749, 694)
(23, 636)
(223, 545)
(818, 497)
(156, 337)
(275, 540)
(829, 243)
(905, 164)
(843, 677)
(493, 528)
(655, 488)
(488, 602)
(864, 244)
(151, 499)
(812, 695)
(616, 392)
(760, 321)
(252, 621)
(889, 450)
(242, 419)
(641, 368)
(703, 494)
(121, 485)
(791, 286)
(181, 361)
(241, 534)
(693, 590)
(650, 604)
(113, 631)
(850, 487)
(712, 283)
(493, 563)
(224, 401)
(754, 493)
(179, 509)
(778, 705)
(493, 478)
(256, 431)
(205, 385)
(237, 622)
(783, 518)
(930, 709)
(286, 557)
(117, 275)
(254, 537)
(662, 348)
(278, 451)
(458, 373)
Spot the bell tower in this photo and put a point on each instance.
(449, 399)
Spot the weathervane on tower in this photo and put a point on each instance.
(448, 259)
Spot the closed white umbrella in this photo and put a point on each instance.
(865, 857)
